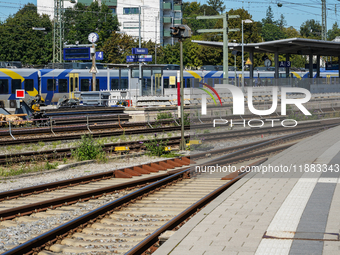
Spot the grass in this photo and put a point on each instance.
(23, 168)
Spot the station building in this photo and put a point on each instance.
(156, 17)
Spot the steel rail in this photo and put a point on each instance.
(65, 152)
(31, 246)
(71, 199)
(153, 238)
(6, 195)
(105, 175)
(79, 197)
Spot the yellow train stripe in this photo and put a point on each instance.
(195, 75)
(297, 75)
(12, 74)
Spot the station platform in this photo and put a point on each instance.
(273, 213)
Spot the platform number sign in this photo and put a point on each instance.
(99, 55)
(20, 93)
(284, 64)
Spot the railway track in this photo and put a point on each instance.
(171, 141)
(69, 132)
(122, 223)
(73, 127)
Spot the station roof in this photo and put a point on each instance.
(300, 46)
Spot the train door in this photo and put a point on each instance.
(157, 81)
(73, 84)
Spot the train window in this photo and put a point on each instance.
(97, 85)
(16, 84)
(210, 81)
(166, 83)
(51, 85)
(63, 85)
(76, 81)
(124, 84)
(196, 83)
(3, 86)
(71, 84)
(84, 84)
(29, 84)
(114, 84)
(188, 85)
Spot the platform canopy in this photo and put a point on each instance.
(292, 46)
(300, 46)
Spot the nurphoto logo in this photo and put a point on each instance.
(238, 105)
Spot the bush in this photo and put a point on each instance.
(163, 115)
(155, 147)
(88, 149)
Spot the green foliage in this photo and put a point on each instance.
(269, 19)
(186, 119)
(88, 149)
(155, 147)
(193, 9)
(81, 20)
(50, 166)
(18, 42)
(163, 115)
(334, 32)
(117, 47)
(217, 5)
(311, 29)
(272, 32)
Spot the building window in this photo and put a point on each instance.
(3, 86)
(113, 9)
(130, 10)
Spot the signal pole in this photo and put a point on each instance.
(181, 32)
(58, 31)
(324, 21)
(225, 31)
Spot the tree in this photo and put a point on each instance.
(270, 29)
(271, 32)
(217, 5)
(334, 32)
(282, 22)
(194, 9)
(81, 20)
(117, 47)
(311, 29)
(291, 32)
(269, 19)
(18, 42)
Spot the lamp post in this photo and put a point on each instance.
(235, 64)
(139, 63)
(244, 21)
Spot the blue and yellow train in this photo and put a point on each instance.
(53, 84)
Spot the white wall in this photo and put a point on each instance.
(47, 7)
(148, 13)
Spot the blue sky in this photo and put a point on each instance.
(295, 12)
